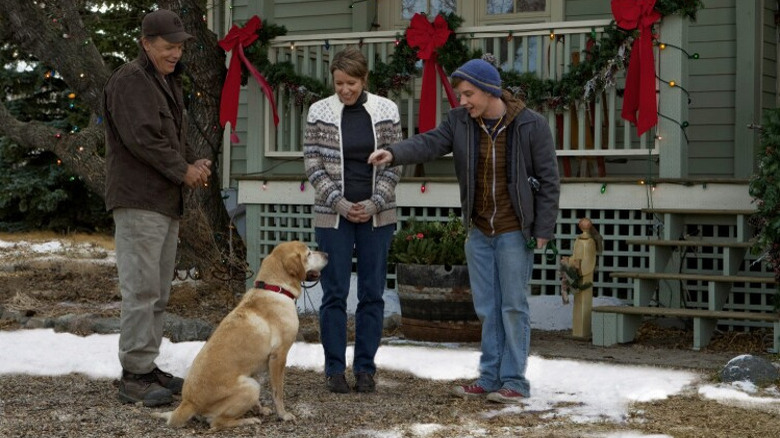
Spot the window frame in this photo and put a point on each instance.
(473, 14)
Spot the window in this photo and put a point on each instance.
(497, 7)
(533, 49)
(429, 7)
(396, 14)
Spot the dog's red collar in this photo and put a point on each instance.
(273, 288)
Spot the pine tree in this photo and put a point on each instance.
(765, 190)
(56, 57)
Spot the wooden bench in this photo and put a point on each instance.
(619, 324)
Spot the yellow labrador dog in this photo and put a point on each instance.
(255, 337)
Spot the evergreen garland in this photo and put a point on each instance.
(765, 190)
(581, 84)
(571, 277)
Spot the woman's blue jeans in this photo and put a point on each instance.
(499, 271)
(371, 246)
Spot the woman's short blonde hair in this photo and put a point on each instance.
(351, 61)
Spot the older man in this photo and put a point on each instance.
(148, 163)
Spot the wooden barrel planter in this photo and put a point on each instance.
(436, 303)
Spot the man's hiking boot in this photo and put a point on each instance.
(169, 381)
(364, 382)
(338, 383)
(134, 388)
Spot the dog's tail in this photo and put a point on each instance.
(178, 417)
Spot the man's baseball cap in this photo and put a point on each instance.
(166, 24)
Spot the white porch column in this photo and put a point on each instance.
(673, 101)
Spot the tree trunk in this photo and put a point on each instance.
(208, 240)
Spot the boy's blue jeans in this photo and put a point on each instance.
(499, 271)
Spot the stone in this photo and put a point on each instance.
(38, 322)
(105, 325)
(392, 322)
(179, 329)
(754, 369)
(63, 323)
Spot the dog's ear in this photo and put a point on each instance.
(294, 265)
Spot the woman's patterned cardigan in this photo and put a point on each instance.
(324, 164)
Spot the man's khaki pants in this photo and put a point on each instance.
(145, 258)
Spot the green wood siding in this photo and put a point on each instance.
(711, 83)
(586, 10)
(769, 61)
(323, 16)
(238, 150)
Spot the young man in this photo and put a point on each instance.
(507, 170)
(147, 165)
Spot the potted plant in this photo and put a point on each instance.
(433, 282)
(430, 243)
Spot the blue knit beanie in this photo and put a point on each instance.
(481, 74)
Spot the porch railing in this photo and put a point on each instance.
(548, 49)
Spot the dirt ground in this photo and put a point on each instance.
(82, 279)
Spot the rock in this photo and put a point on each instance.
(308, 334)
(75, 323)
(105, 325)
(392, 322)
(180, 329)
(38, 322)
(63, 323)
(754, 369)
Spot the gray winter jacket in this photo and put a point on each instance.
(531, 154)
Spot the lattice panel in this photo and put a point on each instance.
(293, 222)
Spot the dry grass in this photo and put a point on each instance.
(103, 241)
(404, 406)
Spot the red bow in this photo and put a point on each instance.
(639, 101)
(236, 40)
(427, 37)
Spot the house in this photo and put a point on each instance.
(685, 179)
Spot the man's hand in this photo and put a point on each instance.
(204, 164)
(198, 173)
(540, 242)
(380, 156)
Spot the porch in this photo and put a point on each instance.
(591, 138)
(618, 179)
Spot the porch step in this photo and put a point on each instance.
(619, 324)
(718, 286)
(693, 277)
(697, 211)
(675, 219)
(691, 243)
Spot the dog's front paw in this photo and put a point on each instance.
(287, 417)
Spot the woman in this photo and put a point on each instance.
(354, 210)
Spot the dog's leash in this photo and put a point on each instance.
(550, 250)
(306, 297)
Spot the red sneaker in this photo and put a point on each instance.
(505, 395)
(469, 391)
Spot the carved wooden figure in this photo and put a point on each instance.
(586, 246)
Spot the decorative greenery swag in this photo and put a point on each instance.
(581, 84)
